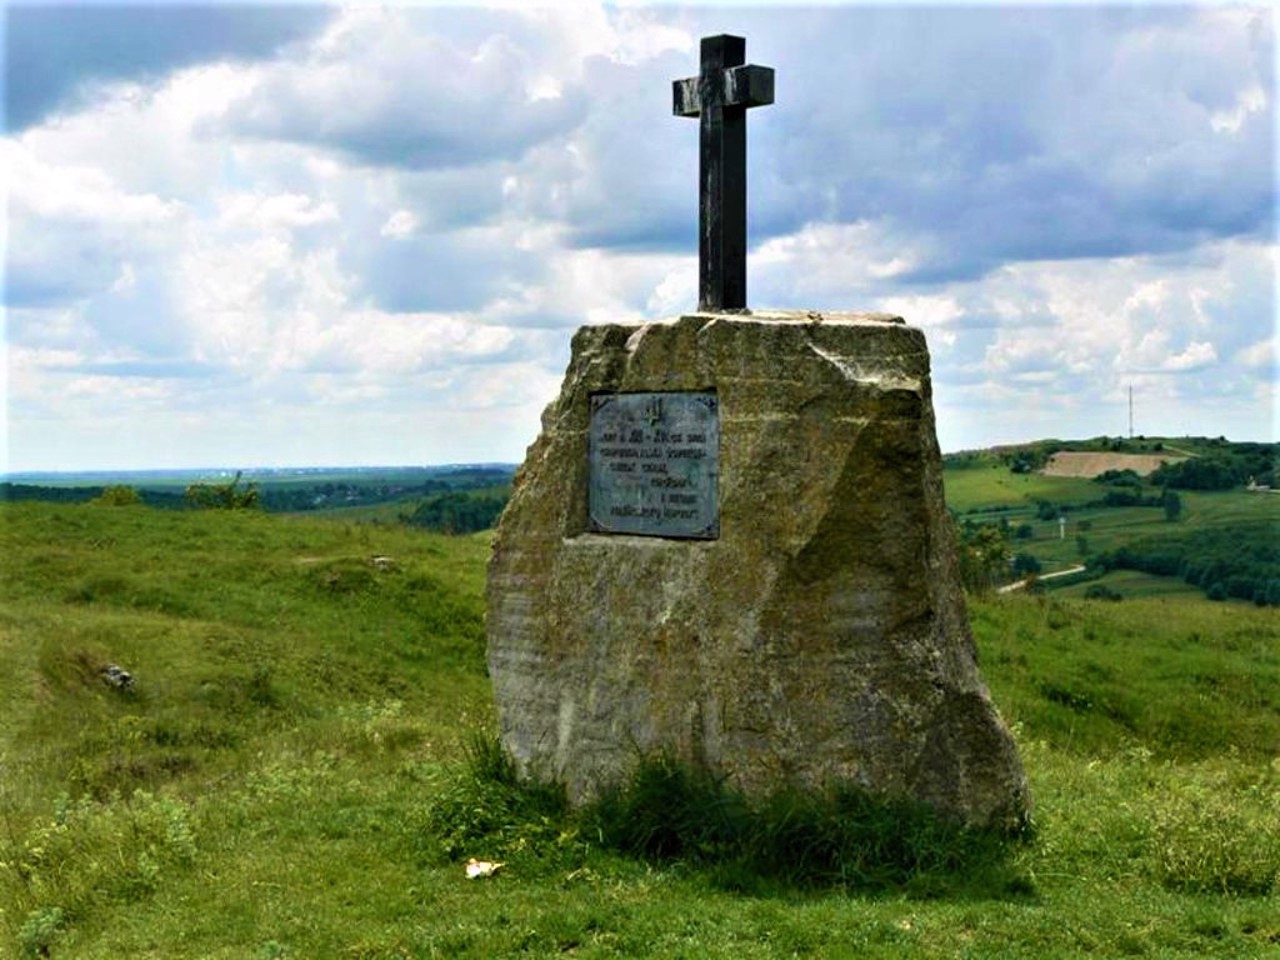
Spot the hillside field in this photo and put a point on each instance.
(1082, 464)
(294, 773)
(990, 492)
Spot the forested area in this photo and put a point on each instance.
(1239, 561)
(451, 500)
(28, 492)
(1234, 465)
(459, 511)
(300, 497)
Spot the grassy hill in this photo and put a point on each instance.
(288, 774)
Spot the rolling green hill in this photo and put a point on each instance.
(287, 776)
(1065, 521)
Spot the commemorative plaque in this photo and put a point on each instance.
(654, 464)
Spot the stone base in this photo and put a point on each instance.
(822, 637)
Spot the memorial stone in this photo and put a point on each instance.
(729, 544)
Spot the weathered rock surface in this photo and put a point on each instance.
(821, 638)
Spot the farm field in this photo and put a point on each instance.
(1106, 528)
(994, 487)
(1084, 464)
(991, 493)
(290, 775)
(1133, 583)
(375, 513)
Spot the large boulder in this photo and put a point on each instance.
(820, 638)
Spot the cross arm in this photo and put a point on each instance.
(748, 86)
(685, 95)
(742, 86)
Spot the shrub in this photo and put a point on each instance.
(223, 496)
(1025, 563)
(117, 496)
(984, 555)
(1098, 591)
(1119, 478)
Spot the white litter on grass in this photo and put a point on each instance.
(482, 868)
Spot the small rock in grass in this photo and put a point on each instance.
(117, 677)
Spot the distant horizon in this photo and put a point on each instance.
(230, 470)
(227, 470)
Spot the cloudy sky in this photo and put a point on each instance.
(242, 235)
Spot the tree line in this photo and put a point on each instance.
(460, 500)
(27, 492)
(459, 511)
(1239, 561)
(1224, 469)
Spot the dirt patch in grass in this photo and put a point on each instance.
(1086, 464)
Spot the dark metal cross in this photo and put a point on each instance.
(719, 97)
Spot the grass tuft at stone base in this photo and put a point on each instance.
(838, 839)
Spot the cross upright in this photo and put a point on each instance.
(719, 97)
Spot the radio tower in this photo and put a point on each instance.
(1130, 413)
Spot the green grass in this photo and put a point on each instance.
(1134, 584)
(993, 487)
(290, 775)
(375, 513)
(1186, 679)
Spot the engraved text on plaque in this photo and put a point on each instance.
(654, 462)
